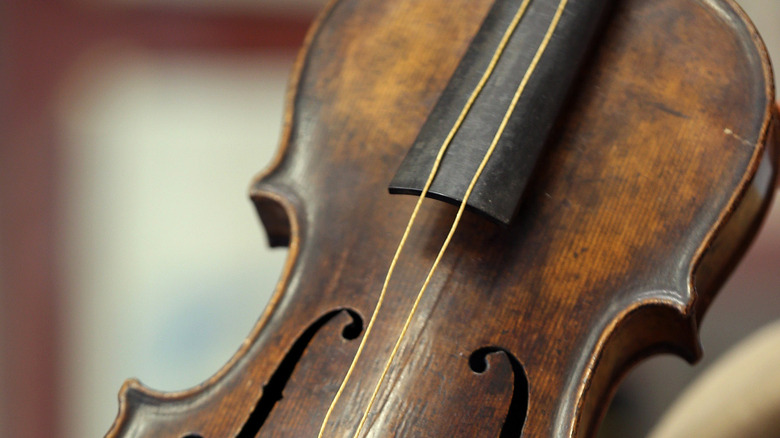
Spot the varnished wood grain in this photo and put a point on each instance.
(653, 185)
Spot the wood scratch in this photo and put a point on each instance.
(731, 133)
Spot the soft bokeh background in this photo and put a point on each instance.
(129, 246)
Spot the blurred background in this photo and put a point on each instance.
(128, 246)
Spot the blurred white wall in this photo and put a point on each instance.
(167, 263)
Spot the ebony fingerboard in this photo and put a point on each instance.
(541, 58)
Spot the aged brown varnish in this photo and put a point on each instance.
(655, 180)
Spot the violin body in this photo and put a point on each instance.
(653, 183)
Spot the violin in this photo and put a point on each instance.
(494, 208)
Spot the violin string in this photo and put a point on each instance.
(537, 56)
(461, 117)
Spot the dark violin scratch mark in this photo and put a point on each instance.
(668, 110)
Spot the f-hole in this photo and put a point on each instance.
(272, 391)
(518, 408)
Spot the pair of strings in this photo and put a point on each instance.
(467, 107)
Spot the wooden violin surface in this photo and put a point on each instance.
(654, 181)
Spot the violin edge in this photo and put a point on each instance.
(670, 318)
(716, 258)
